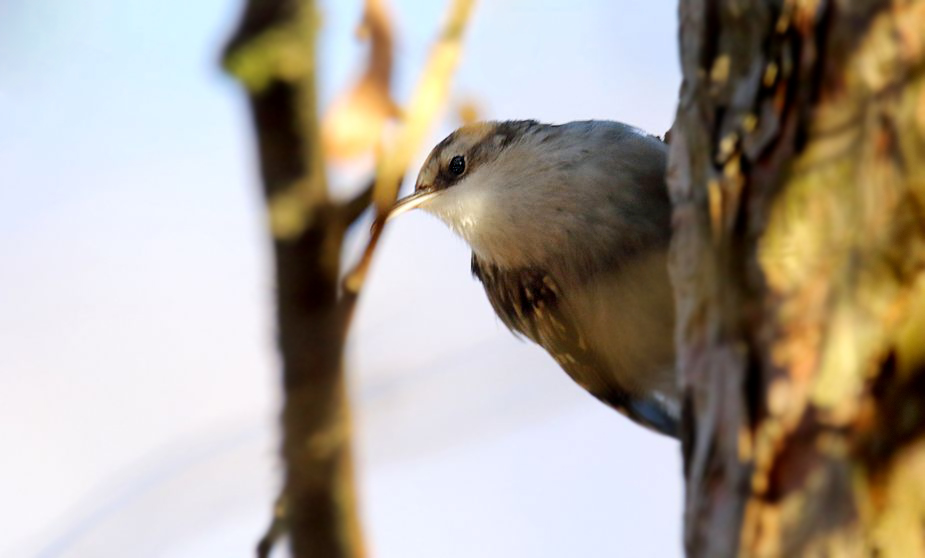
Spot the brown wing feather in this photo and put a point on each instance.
(528, 301)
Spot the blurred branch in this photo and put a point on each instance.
(431, 94)
(351, 210)
(279, 526)
(428, 98)
(272, 53)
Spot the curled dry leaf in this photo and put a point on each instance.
(428, 99)
(354, 122)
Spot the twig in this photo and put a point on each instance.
(351, 210)
(279, 526)
(430, 95)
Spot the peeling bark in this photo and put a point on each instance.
(797, 171)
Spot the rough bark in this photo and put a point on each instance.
(797, 170)
(272, 54)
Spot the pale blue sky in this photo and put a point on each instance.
(137, 372)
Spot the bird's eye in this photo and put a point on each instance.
(457, 165)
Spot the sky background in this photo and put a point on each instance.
(138, 376)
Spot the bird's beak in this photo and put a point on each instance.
(407, 203)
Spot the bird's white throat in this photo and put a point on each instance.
(521, 225)
(565, 193)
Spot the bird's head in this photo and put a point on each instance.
(466, 158)
(521, 192)
(470, 180)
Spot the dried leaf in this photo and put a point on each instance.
(354, 122)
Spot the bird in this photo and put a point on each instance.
(569, 226)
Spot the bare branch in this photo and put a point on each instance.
(430, 95)
(428, 98)
(273, 55)
(351, 209)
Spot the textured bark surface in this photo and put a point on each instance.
(272, 54)
(797, 171)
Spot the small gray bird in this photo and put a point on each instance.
(569, 227)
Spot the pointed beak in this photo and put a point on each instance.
(408, 203)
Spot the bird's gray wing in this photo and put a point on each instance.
(528, 301)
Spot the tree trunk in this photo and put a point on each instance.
(797, 171)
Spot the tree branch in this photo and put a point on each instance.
(352, 209)
(272, 54)
(429, 96)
